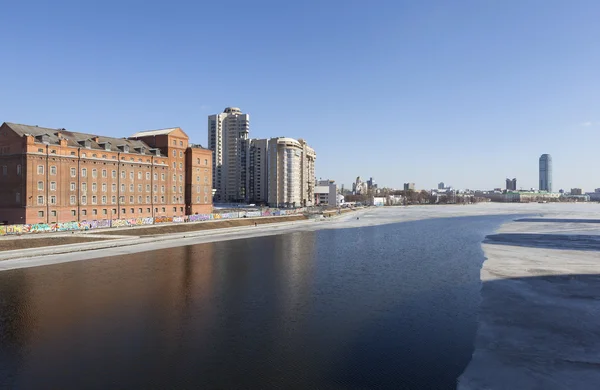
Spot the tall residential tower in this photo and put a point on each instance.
(546, 173)
(227, 138)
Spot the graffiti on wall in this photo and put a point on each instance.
(200, 217)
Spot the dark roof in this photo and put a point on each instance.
(73, 138)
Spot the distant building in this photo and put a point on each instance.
(441, 185)
(326, 193)
(511, 185)
(359, 187)
(576, 191)
(371, 184)
(545, 173)
(409, 186)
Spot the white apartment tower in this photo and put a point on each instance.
(228, 139)
(291, 167)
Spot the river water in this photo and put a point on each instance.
(390, 306)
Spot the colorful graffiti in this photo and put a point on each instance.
(105, 223)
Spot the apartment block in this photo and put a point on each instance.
(55, 175)
(227, 138)
(258, 174)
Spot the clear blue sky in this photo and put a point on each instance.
(465, 92)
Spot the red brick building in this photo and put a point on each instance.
(55, 175)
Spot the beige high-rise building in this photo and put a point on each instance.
(258, 172)
(228, 139)
(291, 167)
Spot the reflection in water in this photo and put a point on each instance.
(386, 306)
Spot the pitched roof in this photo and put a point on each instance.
(73, 138)
(149, 133)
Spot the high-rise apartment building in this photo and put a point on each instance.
(258, 173)
(291, 163)
(54, 175)
(441, 185)
(409, 186)
(228, 139)
(545, 173)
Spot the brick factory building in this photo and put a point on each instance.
(55, 175)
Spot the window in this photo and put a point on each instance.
(123, 173)
(162, 199)
(84, 187)
(122, 187)
(155, 176)
(113, 187)
(104, 211)
(103, 187)
(198, 189)
(198, 179)
(84, 212)
(121, 199)
(94, 187)
(84, 172)
(94, 212)
(52, 186)
(103, 199)
(174, 153)
(140, 199)
(148, 199)
(205, 198)
(205, 162)
(53, 213)
(40, 213)
(205, 179)
(174, 177)
(174, 142)
(180, 154)
(132, 210)
(174, 165)
(139, 188)
(181, 209)
(53, 170)
(147, 175)
(113, 199)
(198, 161)
(174, 189)
(147, 187)
(94, 173)
(72, 153)
(155, 188)
(180, 189)
(131, 188)
(19, 169)
(180, 165)
(148, 209)
(175, 209)
(155, 199)
(94, 199)
(40, 170)
(18, 197)
(131, 199)
(84, 199)
(73, 172)
(180, 143)
(131, 175)
(104, 173)
(140, 210)
(114, 174)
(180, 177)
(40, 150)
(114, 211)
(40, 185)
(72, 199)
(73, 213)
(122, 211)
(162, 176)
(139, 175)
(162, 189)
(53, 199)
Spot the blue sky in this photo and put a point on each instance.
(465, 92)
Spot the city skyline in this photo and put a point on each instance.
(422, 92)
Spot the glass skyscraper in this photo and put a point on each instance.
(546, 173)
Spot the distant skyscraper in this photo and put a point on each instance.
(441, 185)
(227, 138)
(409, 186)
(546, 173)
(511, 185)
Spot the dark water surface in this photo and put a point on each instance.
(392, 306)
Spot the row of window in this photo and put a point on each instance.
(53, 213)
(84, 155)
(84, 172)
(113, 199)
(5, 170)
(84, 187)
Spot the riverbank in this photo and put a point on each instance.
(539, 321)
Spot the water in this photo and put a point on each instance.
(392, 306)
